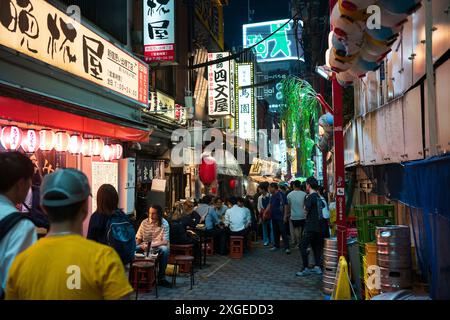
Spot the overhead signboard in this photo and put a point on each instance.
(283, 157)
(245, 101)
(39, 30)
(159, 30)
(220, 84)
(262, 167)
(210, 14)
(272, 92)
(282, 45)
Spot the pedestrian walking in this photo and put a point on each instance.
(64, 265)
(266, 222)
(17, 232)
(313, 232)
(277, 213)
(295, 208)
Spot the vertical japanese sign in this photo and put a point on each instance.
(245, 97)
(159, 30)
(283, 157)
(39, 30)
(210, 14)
(219, 85)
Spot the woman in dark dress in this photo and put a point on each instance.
(107, 204)
(181, 219)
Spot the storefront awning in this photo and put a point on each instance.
(21, 111)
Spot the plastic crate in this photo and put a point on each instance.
(368, 217)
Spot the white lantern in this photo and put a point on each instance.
(119, 151)
(98, 145)
(30, 141)
(75, 144)
(11, 138)
(62, 141)
(47, 140)
(108, 152)
(87, 148)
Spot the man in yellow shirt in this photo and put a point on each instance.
(64, 265)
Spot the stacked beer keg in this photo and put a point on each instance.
(330, 263)
(394, 257)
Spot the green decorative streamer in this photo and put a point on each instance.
(300, 113)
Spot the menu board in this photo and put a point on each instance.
(103, 172)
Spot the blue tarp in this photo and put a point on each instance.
(425, 187)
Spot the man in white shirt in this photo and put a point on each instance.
(16, 172)
(238, 219)
(295, 211)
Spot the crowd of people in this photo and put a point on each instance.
(66, 265)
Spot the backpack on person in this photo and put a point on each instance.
(9, 222)
(121, 236)
(35, 213)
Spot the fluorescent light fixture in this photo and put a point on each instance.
(323, 72)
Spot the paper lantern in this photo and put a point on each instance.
(47, 140)
(339, 63)
(214, 190)
(75, 144)
(233, 183)
(118, 151)
(62, 141)
(207, 170)
(108, 152)
(30, 141)
(344, 26)
(358, 4)
(97, 147)
(87, 148)
(392, 20)
(11, 138)
(384, 33)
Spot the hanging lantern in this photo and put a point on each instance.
(392, 20)
(357, 4)
(11, 138)
(62, 141)
(108, 152)
(98, 145)
(233, 183)
(87, 148)
(207, 170)
(118, 151)
(75, 144)
(47, 140)
(214, 190)
(400, 6)
(30, 141)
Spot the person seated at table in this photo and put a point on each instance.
(220, 208)
(155, 230)
(204, 207)
(190, 217)
(238, 219)
(179, 234)
(214, 228)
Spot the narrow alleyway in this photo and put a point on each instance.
(259, 275)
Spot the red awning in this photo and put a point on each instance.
(32, 114)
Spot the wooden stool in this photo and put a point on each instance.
(249, 243)
(210, 246)
(143, 272)
(179, 260)
(236, 247)
(181, 250)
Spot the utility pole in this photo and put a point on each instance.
(339, 175)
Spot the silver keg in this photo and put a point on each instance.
(330, 263)
(394, 257)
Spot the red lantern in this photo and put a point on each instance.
(48, 140)
(233, 183)
(75, 144)
(108, 153)
(30, 142)
(214, 190)
(98, 146)
(11, 138)
(207, 170)
(87, 148)
(62, 141)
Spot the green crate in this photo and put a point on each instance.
(371, 216)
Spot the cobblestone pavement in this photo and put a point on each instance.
(259, 275)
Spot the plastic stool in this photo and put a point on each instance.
(183, 260)
(236, 247)
(143, 272)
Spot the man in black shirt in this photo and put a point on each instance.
(313, 231)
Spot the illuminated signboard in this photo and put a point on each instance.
(39, 30)
(245, 97)
(272, 92)
(159, 30)
(280, 46)
(220, 86)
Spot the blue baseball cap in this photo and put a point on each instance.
(64, 187)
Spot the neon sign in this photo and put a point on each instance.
(282, 45)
